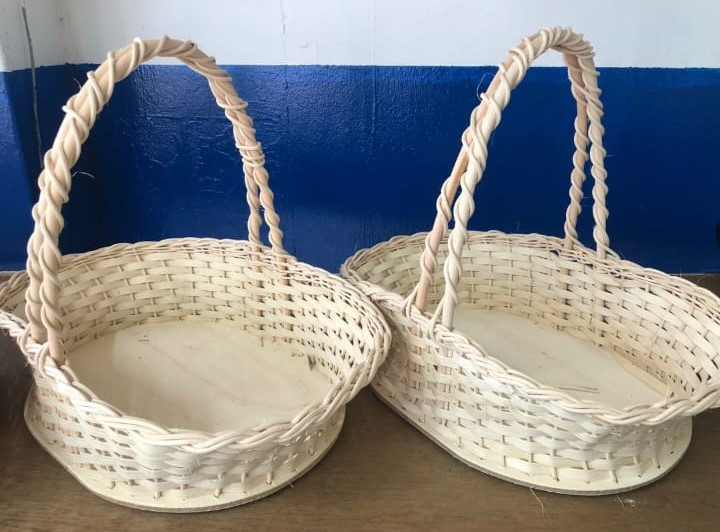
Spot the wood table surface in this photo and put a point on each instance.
(381, 475)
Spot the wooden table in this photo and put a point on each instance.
(381, 475)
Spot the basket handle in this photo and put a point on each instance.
(471, 162)
(42, 304)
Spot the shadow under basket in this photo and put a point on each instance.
(185, 391)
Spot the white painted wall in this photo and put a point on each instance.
(645, 33)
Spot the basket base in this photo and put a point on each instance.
(674, 456)
(555, 358)
(214, 376)
(172, 501)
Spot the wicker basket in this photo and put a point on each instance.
(251, 353)
(569, 370)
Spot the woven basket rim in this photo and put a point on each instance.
(644, 413)
(198, 440)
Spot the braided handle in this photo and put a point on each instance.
(42, 304)
(471, 162)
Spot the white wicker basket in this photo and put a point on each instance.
(187, 374)
(568, 370)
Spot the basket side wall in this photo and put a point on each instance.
(666, 329)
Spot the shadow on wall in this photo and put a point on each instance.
(357, 154)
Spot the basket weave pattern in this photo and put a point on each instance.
(61, 303)
(664, 330)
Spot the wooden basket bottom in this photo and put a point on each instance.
(176, 500)
(668, 456)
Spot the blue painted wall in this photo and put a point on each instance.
(357, 154)
(15, 203)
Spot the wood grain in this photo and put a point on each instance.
(381, 475)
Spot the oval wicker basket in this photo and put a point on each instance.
(567, 370)
(293, 333)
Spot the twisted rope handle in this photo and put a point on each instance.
(42, 303)
(471, 162)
